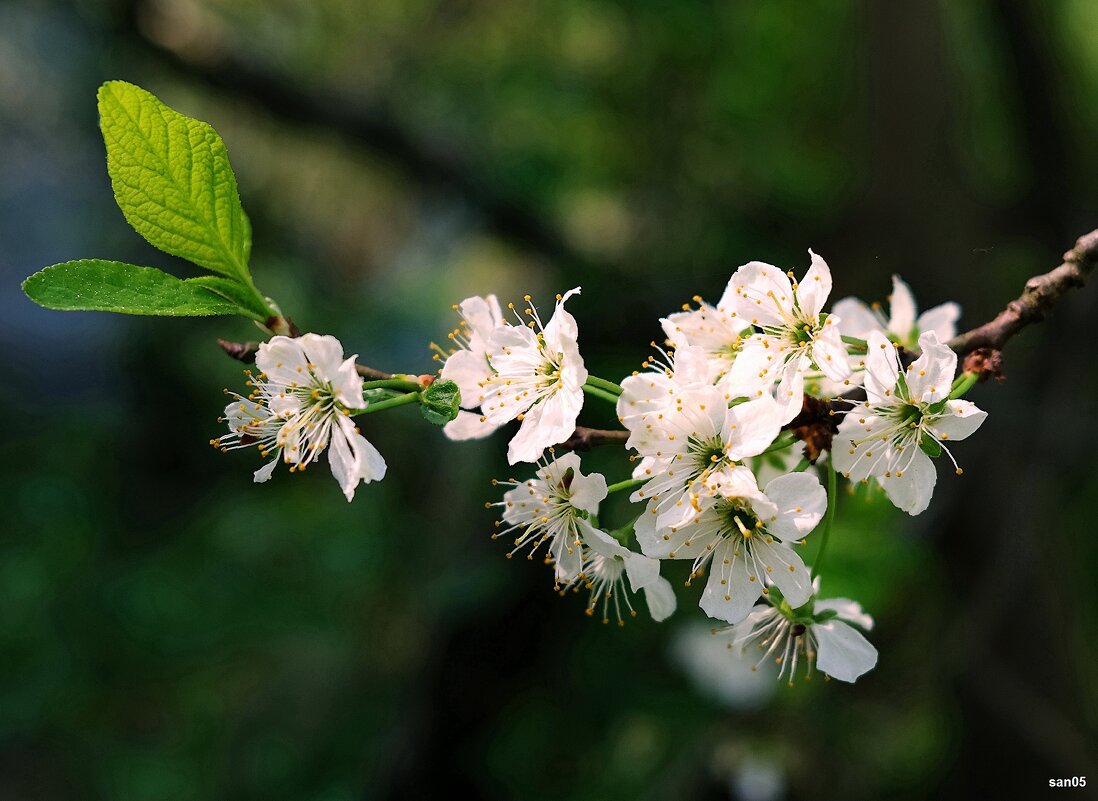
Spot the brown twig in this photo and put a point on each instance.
(1042, 292)
(584, 439)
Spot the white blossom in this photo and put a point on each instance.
(611, 572)
(819, 637)
(468, 366)
(744, 537)
(299, 406)
(647, 397)
(537, 377)
(716, 330)
(904, 325)
(906, 418)
(698, 436)
(794, 338)
(551, 509)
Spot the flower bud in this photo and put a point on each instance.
(440, 402)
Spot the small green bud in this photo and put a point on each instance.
(440, 402)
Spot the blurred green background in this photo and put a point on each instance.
(168, 630)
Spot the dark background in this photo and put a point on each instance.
(168, 630)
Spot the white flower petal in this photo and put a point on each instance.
(751, 427)
(755, 370)
(795, 584)
(902, 307)
(642, 571)
(911, 488)
(930, 377)
(587, 492)
(353, 458)
(855, 318)
(548, 423)
(871, 456)
(760, 292)
(467, 426)
(347, 385)
(468, 370)
(790, 391)
(731, 602)
(813, 289)
(325, 353)
(841, 651)
(829, 352)
(850, 611)
(282, 360)
(484, 315)
(801, 502)
(882, 369)
(562, 331)
(962, 418)
(264, 473)
(941, 320)
(660, 597)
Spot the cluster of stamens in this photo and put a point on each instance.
(604, 577)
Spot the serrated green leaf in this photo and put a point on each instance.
(234, 292)
(172, 180)
(98, 285)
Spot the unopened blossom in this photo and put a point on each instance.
(904, 324)
(537, 377)
(794, 338)
(716, 330)
(467, 365)
(612, 572)
(299, 406)
(816, 637)
(550, 509)
(745, 537)
(906, 419)
(648, 396)
(698, 436)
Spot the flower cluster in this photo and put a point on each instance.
(718, 479)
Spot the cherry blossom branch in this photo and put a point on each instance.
(1041, 293)
(816, 424)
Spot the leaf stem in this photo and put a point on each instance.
(596, 392)
(628, 484)
(623, 533)
(390, 403)
(393, 383)
(963, 383)
(829, 517)
(602, 383)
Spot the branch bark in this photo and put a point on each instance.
(1042, 292)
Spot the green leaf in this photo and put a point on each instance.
(931, 447)
(98, 285)
(440, 402)
(234, 292)
(172, 180)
